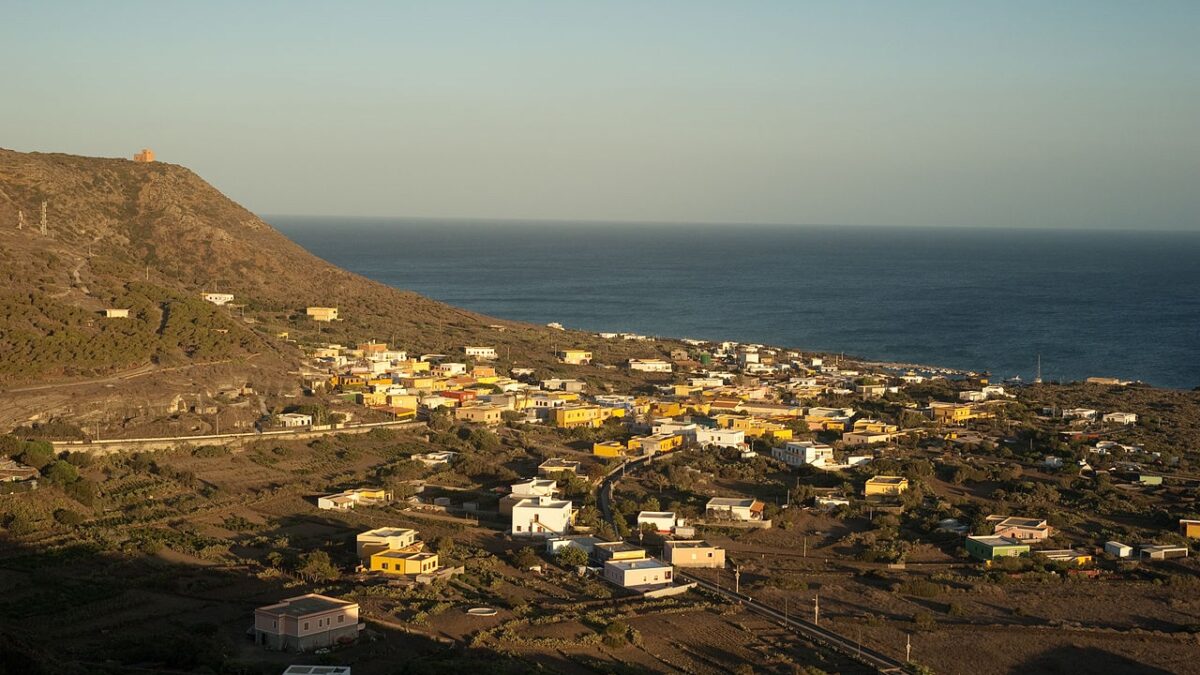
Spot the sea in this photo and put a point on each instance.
(1116, 303)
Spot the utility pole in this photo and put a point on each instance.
(806, 546)
(737, 579)
(908, 648)
(20, 219)
(817, 609)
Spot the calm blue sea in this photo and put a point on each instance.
(1118, 303)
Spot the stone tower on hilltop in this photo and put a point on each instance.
(146, 155)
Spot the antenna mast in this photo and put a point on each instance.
(1038, 379)
(43, 217)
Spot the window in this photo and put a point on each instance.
(305, 625)
(342, 618)
(385, 566)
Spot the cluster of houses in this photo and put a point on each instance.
(1014, 536)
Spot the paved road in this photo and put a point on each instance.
(813, 632)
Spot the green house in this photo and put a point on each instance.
(990, 548)
(1147, 479)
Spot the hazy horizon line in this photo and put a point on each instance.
(719, 223)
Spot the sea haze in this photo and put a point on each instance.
(1117, 303)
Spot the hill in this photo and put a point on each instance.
(150, 238)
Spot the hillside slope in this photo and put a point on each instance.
(150, 238)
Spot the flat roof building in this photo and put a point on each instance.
(306, 622)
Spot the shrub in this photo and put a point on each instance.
(571, 557)
(316, 566)
(525, 558)
(68, 517)
(61, 472)
(37, 454)
(924, 621)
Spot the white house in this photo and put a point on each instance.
(535, 487)
(291, 420)
(436, 458)
(668, 426)
(450, 369)
(217, 298)
(1079, 414)
(650, 365)
(1121, 418)
(1117, 549)
(734, 508)
(541, 516)
(693, 553)
(804, 453)
(646, 572)
(720, 438)
(383, 539)
(992, 390)
(972, 395)
(344, 501)
(662, 521)
(480, 352)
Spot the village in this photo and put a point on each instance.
(718, 473)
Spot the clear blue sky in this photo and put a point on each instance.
(1072, 114)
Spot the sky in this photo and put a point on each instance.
(1008, 113)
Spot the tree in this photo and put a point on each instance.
(616, 634)
(37, 454)
(316, 566)
(61, 472)
(68, 517)
(525, 558)
(571, 557)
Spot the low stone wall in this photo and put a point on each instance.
(111, 446)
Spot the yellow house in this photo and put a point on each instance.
(655, 444)
(776, 431)
(725, 420)
(422, 382)
(875, 427)
(667, 409)
(571, 416)
(576, 357)
(403, 401)
(1189, 528)
(403, 562)
(752, 426)
(322, 313)
(609, 449)
(373, 398)
(482, 414)
(348, 381)
(413, 366)
(818, 423)
(951, 413)
(384, 382)
(885, 486)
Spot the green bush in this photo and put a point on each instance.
(61, 473)
(68, 517)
